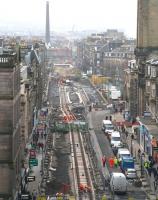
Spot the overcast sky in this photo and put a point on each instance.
(70, 15)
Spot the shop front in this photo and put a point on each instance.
(145, 139)
(155, 149)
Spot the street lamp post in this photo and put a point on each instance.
(141, 164)
(132, 137)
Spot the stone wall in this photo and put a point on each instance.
(6, 179)
(6, 84)
(147, 28)
(6, 115)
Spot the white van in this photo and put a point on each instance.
(115, 139)
(123, 152)
(118, 182)
(107, 126)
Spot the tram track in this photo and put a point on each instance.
(74, 139)
(79, 166)
(80, 163)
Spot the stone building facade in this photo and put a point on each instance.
(147, 44)
(130, 88)
(10, 148)
(145, 73)
(151, 87)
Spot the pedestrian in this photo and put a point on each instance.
(146, 164)
(34, 197)
(151, 163)
(111, 162)
(45, 127)
(103, 161)
(155, 173)
(42, 146)
(37, 133)
(126, 133)
(81, 187)
(39, 186)
(26, 151)
(150, 158)
(150, 170)
(155, 185)
(123, 129)
(147, 167)
(87, 188)
(45, 135)
(59, 196)
(116, 162)
(115, 150)
(157, 169)
(34, 194)
(39, 145)
(139, 153)
(104, 197)
(42, 134)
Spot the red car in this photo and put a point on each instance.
(32, 153)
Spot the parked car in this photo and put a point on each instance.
(115, 139)
(118, 182)
(32, 154)
(131, 174)
(108, 128)
(123, 152)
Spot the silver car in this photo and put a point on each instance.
(131, 174)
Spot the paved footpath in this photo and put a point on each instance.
(36, 171)
(34, 187)
(147, 181)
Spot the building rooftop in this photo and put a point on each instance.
(8, 59)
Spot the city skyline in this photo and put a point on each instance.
(70, 15)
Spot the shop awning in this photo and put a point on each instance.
(127, 123)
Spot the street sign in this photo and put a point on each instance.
(30, 178)
(79, 123)
(82, 123)
(33, 162)
(25, 197)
